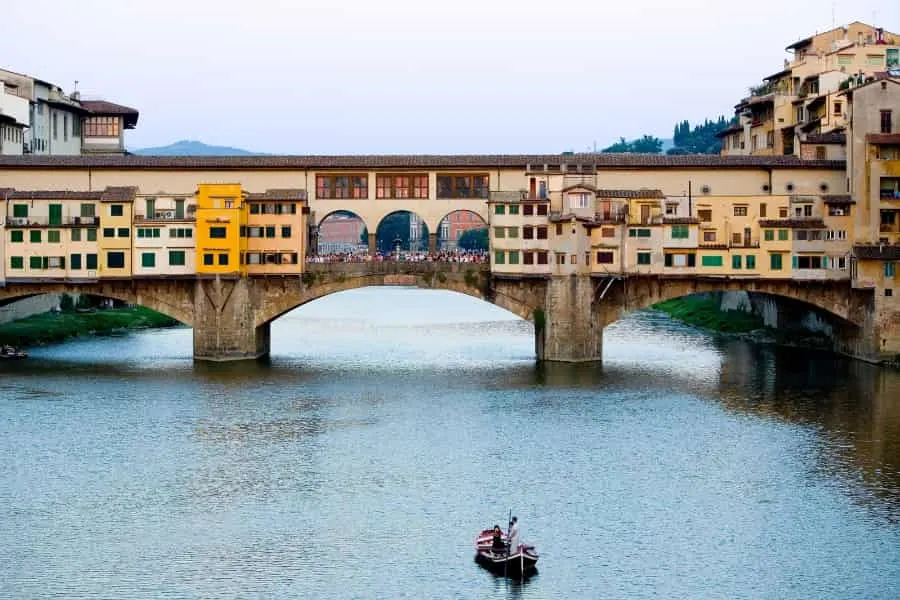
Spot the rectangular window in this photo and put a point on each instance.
(886, 121)
(20, 211)
(783, 235)
(838, 108)
(751, 261)
(680, 232)
(542, 232)
(604, 258)
(543, 257)
(34, 236)
(218, 232)
(124, 232)
(401, 186)
(285, 231)
(55, 214)
(16, 262)
(148, 259)
(223, 260)
(76, 234)
(270, 231)
(499, 232)
(512, 232)
(115, 260)
(528, 210)
(499, 257)
(254, 208)
(34, 262)
(75, 262)
(91, 235)
(55, 126)
(560, 258)
(87, 210)
(101, 127)
(762, 210)
(736, 261)
(109, 232)
(336, 187)
(513, 257)
(874, 60)
(116, 210)
(713, 260)
(499, 209)
(176, 258)
(528, 257)
(53, 236)
(528, 232)
(845, 59)
(208, 259)
(769, 235)
(16, 236)
(90, 261)
(462, 186)
(889, 269)
(893, 58)
(513, 209)
(542, 211)
(709, 236)
(639, 233)
(608, 232)
(775, 262)
(643, 258)
(740, 211)
(705, 215)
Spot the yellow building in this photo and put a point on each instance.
(275, 232)
(114, 243)
(220, 214)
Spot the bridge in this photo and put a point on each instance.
(231, 316)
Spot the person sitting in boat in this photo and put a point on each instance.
(498, 539)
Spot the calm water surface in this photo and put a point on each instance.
(393, 424)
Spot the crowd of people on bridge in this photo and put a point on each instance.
(452, 256)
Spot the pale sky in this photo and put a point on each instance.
(388, 76)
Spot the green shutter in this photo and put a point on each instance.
(20, 211)
(34, 236)
(75, 262)
(148, 259)
(769, 235)
(736, 261)
(56, 214)
(751, 261)
(16, 262)
(712, 260)
(499, 257)
(17, 236)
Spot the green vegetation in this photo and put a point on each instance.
(474, 239)
(645, 145)
(56, 327)
(700, 139)
(702, 311)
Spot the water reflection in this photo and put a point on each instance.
(684, 466)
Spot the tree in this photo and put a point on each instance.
(473, 239)
(647, 145)
(619, 147)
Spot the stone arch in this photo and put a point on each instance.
(422, 229)
(470, 279)
(171, 298)
(322, 249)
(481, 221)
(835, 299)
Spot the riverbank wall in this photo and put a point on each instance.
(27, 307)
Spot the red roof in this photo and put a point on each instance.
(102, 107)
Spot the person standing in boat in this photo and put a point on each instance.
(513, 534)
(497, 542)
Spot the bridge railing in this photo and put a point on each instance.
(396, 267)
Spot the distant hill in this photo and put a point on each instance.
(194, 148)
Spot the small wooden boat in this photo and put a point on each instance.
(518, 562)
(10, 353)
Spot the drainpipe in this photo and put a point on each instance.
(690, 201)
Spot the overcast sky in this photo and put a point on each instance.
(388, 76)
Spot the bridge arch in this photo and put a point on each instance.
(463, 278)
(336, 228)
(456, 222)
(412, 232)
(173, 298)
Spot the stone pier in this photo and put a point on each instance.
(568, 329)
(225, 321)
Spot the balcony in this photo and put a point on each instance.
(43, 221)
(166, 215)
(646, 220)
(612, 216)
(508, 196)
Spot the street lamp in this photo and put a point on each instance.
(397, 242)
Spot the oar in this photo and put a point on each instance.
(508, 542)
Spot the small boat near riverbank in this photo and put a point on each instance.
(517, 562)
(10, 353)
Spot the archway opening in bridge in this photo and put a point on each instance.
(341, 233)
(401, 231)
(463, 230)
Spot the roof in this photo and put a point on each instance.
(888, 79)
(777, 75)
(838, 199)
(110, 194)
(730, 129)
(808, 223)
(883, 138)
(102, 107)
(568, 217)
(877, 251)
(631, 194)
(289, 194)
(831, 137)
(605, 161)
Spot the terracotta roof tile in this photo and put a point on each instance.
(602, 161)
(53, 195)
(288, 194)
(883, 138)
(826, 138)
(633, 194)
(102, 107)
(808, 223)
(838, 199)
(119, 194)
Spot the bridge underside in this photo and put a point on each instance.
(231, 317)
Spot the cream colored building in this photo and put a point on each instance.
(164, 235)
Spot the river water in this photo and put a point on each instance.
(392, 424)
